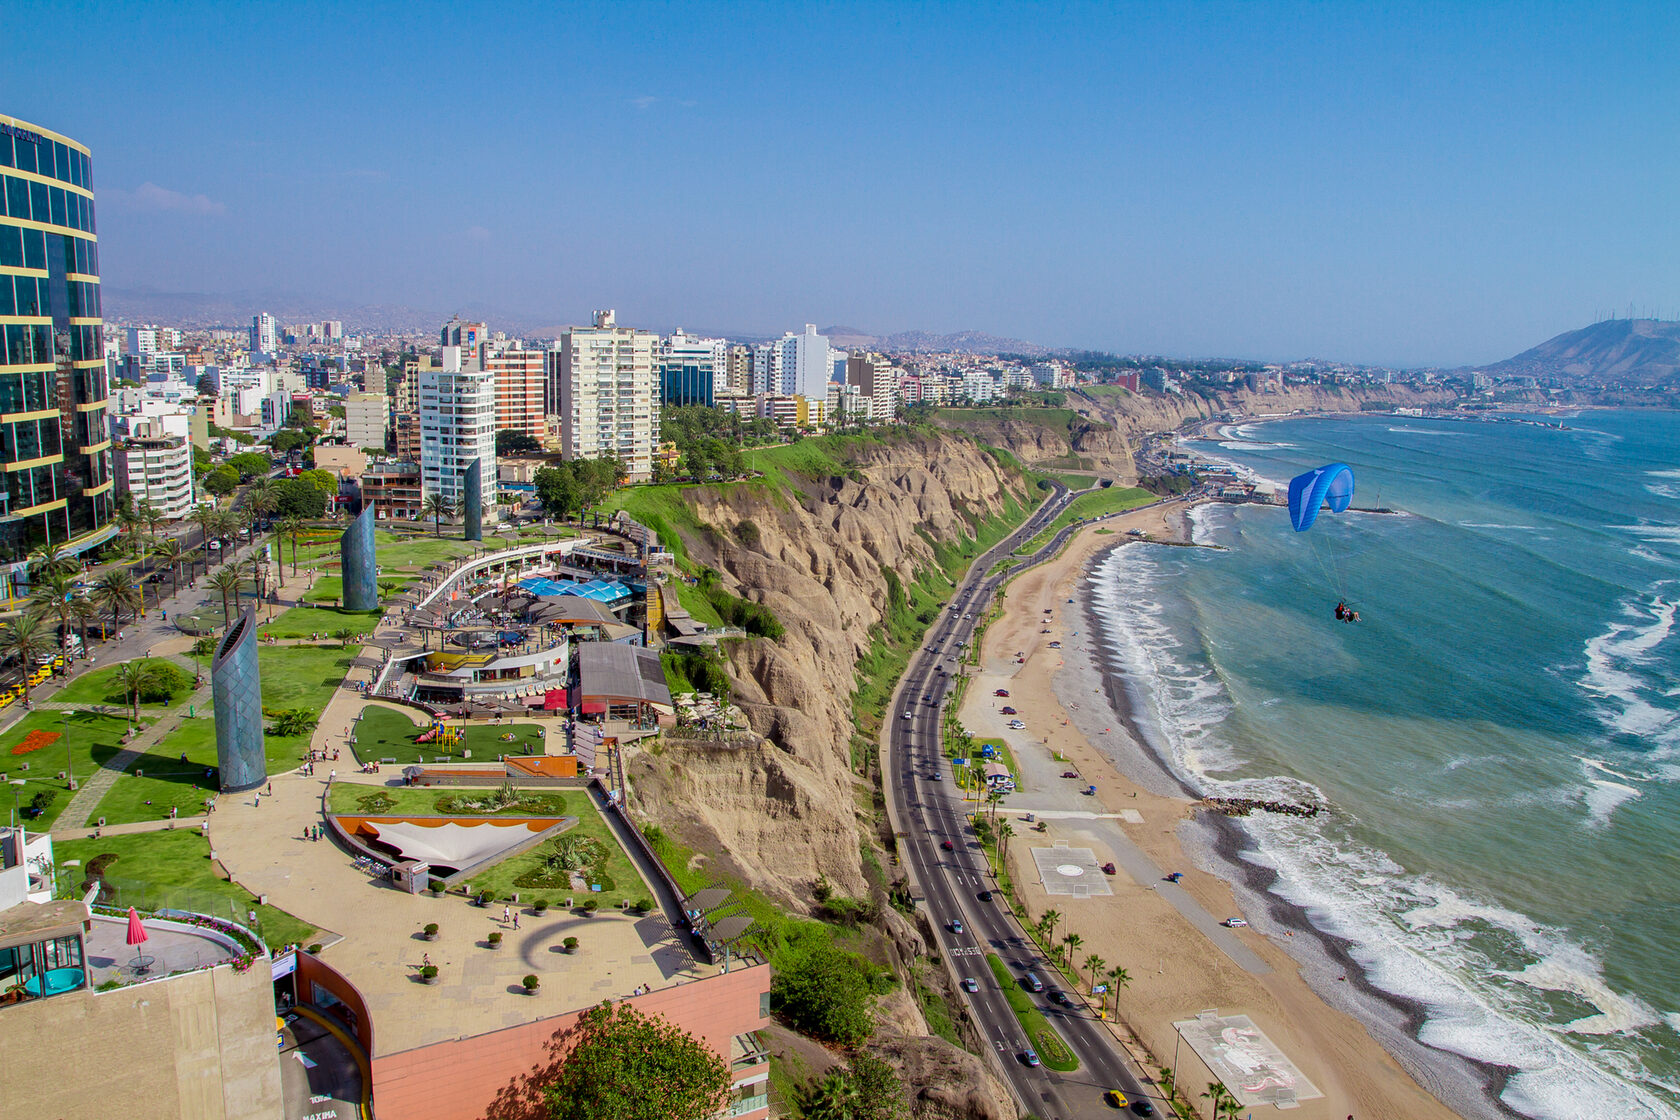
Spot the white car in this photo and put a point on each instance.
(907, 714)
(1017, 725)
(1234, 923)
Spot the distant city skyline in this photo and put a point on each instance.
(1282, 181)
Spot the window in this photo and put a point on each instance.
(40, 202)
(17, 196)
(34, 249)
(56, 196)
(5, 149)
(26, 156)
(11, 246)
(61, 162)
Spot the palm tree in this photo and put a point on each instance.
(169, 551)
(344, 635)
(51, 593)
(247, 520)
(437, 507)
(293, 526)
(25, 640)
(134, 676)
(1051, 917)
(205, 518)
(149, 516)
(116, 591)
(1224, 1104)
(227, 526)
(84, 610)
(259, 576)
(50, 557)
(1005, 831)
(190, 558)
(835, 1097)
(1094, 963)
(260, 496)
(1117, 978)
(226, 580)
(1073, 941)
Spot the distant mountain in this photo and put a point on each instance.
(195, 310)
(967, 342)
(1644, 352)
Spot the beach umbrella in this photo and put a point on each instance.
(137, 934)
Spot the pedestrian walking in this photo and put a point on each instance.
(506, 913)
(516, 921)
(271, 789)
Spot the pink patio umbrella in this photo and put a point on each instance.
(137, 936)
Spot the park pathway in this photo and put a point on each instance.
(93, 790)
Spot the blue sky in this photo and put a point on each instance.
(1411, 184)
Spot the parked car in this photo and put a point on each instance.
(1017, 725)
(1108, 869)
(1008, 711)
(1002, 691)
(1055, 645)
(1234, 923)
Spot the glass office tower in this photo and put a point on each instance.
(55, 435)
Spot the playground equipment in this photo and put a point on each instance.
(439, 732)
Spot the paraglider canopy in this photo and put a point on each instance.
(1331, 483)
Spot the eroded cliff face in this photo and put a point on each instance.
(1112, 425)
(781, 810)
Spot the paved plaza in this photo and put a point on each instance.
(1248, 1063)
(110, 956)
(1074, 872)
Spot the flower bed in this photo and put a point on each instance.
(35, 740)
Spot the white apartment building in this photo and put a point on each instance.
(607, 395)
(457, 426)
(264, 330)
(806, 366)
(157, 469)
(365, 416)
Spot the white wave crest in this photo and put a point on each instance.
(1625, 675)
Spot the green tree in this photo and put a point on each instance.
(292, 527)
(867, 1089)
(510, 442)
(293, 722)
(324, 481)
(51, 594)
(133, 677)
(618, 1064)
(50, 557)
(222, 481)
(116, 591)
(24, 639)
(299, 497)
(437, 507)
(170, 552)
(227, 581)
(825, 993)
(287, 440)
(249, 464)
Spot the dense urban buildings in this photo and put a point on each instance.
(692, 370)
(264, 334)
(366, 417)
(607, 395)
(55, 438)
(157, 468)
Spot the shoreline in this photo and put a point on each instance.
(1177, 969)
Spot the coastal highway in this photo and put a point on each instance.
(931, 812)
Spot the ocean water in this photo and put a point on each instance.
(1497, 743)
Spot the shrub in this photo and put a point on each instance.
(570, 944)
(429, 972)
(484, 898)
(590, 906)
(496, 937)
(540, 905)
(436, 886)
(431, 929)
(747, 533)
(642, 905)
(531, 983)
(314, 949)
(825, 993)
(376, 802)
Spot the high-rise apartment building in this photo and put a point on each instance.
(157, 468)
(877, 382)
(365, 417)
(457, 427)
(264, 333)
(806, 366)
(468, 336)
(56, 452)
(520, 390)
(738, 376)
(692, 370)
(607, 395)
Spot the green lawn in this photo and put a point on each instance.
(1115, 499)
(158, 870)
(387, 733)
(100, 686)
(90, 736)
(348, 797)
(298, 677)
(626, 885)
(394, 550)
(1051, 1049)
(302, 622)
(159, 779)
(1073, 481)
(698, 606)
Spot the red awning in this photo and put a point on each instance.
(554, 700)
(594, 708)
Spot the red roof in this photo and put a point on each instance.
(554, 700)
(594, 708)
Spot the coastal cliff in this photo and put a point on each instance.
(780, 809)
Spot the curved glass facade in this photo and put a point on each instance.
(55, 434)
(236, 687)
(472, 501)
(357, 565)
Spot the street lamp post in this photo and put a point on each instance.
(69, 761)
(15, 783)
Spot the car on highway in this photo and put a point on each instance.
(956, 925)
(947, 845)
(984, 896)
(907, 713)
(1234, 923)
(1030, 1056)
(936, 776)
(1060, 998)
(1140, 1106)
(970, 984)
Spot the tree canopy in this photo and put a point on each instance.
(618, 1064)
(222, 480)
(825, 993)
(288, 439)
(299, 497)
(513, 443)
(576, 484)
(249, 464)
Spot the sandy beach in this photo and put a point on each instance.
(1180, 959)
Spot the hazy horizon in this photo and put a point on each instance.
(1442, 188)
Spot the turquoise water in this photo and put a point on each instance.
(1498, 741)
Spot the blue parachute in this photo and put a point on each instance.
(1331, 483)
